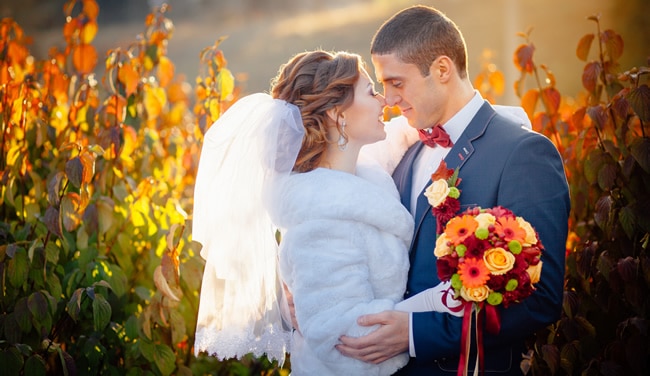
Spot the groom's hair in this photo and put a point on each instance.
(418, 35)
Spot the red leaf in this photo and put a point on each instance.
(590, 75)
(524, 57)
(613, 44)
(552, 98)
(639, 99)
(442, 172)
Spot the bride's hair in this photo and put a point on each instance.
(315, 82)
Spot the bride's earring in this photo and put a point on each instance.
(342, 142)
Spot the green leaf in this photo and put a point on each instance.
(165, 359)
(551, 356)
(74, 304)
(101, 312)
(53, 189)
(627, 220)
(12, 329)
(640, 150)
(52, 221)
(147, 349)
(11, 361)
(639, 99)
(603, 212)
(35, 365)
(593, 163)
(17, 269)
(37, 305)
(586, 325)
(607, 176)
(132, 328)
(177, 324)
(74, 171)
(22, 315)
(54, 285)
(604, 264)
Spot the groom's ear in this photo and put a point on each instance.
(442, 68)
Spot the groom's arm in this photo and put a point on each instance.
(392, 337)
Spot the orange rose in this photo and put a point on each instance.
(535, 272)
(442, 248)
(474, 294)
(498, 260)
(531, 237)
(485, 220)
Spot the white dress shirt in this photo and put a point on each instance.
(428, 160)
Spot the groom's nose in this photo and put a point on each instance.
(392, 98)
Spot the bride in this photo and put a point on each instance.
(285, 168)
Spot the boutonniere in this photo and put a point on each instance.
(443, 194)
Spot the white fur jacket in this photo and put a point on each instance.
(343, 253)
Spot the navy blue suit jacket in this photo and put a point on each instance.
(501, 163)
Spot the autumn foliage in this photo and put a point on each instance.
(98, 274)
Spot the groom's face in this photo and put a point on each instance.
(419, 98)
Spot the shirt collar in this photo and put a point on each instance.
(457, 124)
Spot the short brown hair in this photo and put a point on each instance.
(419, 35)
(317, 81)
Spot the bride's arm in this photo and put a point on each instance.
(439, 299)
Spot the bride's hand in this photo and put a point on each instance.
(292, 307)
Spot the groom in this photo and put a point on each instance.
(420, 57)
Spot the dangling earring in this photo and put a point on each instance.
(342, 142)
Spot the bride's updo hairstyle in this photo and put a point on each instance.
(315, 82)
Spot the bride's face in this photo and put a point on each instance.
(364, 118)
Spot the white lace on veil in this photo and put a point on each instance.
(255, 142)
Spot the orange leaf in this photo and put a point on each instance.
(529, 102)
(524, 57)
(550, 77)
(165, 71)
(69, 29)
(220, 59)
(583, 47)
(129, 77)
(84, 58)
(91, 9)
(115, 104)
(497, 82)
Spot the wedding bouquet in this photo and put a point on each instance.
(490, 256)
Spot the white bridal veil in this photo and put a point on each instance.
(252, 145)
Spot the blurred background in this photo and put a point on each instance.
(263, 34)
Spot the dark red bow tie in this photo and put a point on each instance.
(435, 136)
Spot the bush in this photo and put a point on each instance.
(603, 137)
(98, 274)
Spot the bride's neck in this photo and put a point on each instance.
(341, 160)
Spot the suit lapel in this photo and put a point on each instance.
(457, 156)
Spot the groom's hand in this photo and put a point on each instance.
(390, 339)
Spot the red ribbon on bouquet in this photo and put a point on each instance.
(487, 317)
